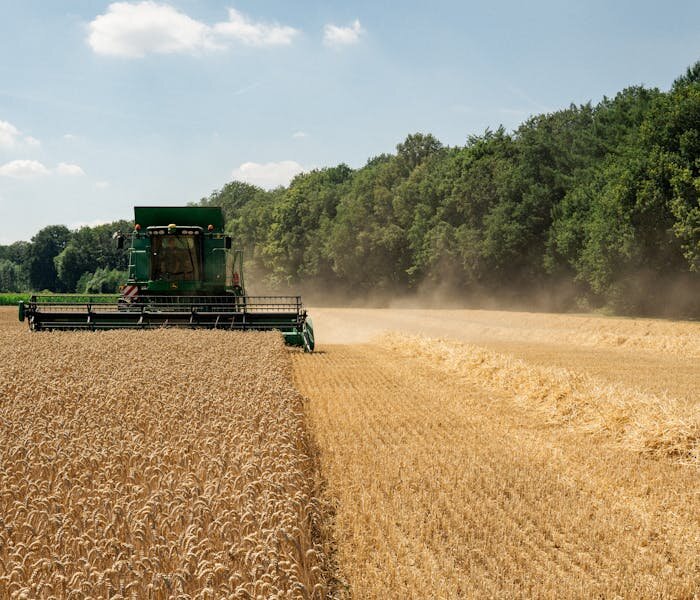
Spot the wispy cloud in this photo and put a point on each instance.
(69, 170)
(298, 135)
(242, 29)
(23, 169)
(102, 185)
(29, 169)
(8, 134)
(135, 29)
(268, 175)
(336, 36)
(11, 137)
(246, 88)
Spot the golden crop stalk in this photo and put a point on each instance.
(154, 464)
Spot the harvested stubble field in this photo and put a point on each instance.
(558, 458)
(162, 464)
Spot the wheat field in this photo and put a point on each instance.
(417, 454)
(160, 464)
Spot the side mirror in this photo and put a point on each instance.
(120, 240)
(227, 242)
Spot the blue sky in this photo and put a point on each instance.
(107, 105)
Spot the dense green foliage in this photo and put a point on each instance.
(593, 206)
(10, 299)
(57, 259)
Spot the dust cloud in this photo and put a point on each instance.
(641, 293)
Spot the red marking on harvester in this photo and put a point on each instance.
(130, 292)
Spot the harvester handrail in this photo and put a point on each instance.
(76, 298)
(242, 304)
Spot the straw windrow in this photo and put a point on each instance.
(655, 424)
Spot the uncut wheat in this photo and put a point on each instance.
(154, 465)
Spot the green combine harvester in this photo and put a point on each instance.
(183, 273)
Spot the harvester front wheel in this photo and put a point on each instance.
(308, 336)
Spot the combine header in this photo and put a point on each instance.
(182, 273)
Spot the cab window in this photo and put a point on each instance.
(175, 257)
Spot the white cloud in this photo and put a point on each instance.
(102, 185)
(268, 175)
(335, 36)
(26, 169)
(23, 169)
(134, 29)
(69, 137)
(239, 28)
(10, 136)
(297, 135)
(69, 170)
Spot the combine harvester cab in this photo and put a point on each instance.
(183, 272)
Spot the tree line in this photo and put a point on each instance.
(590, 206)
(60, 260)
